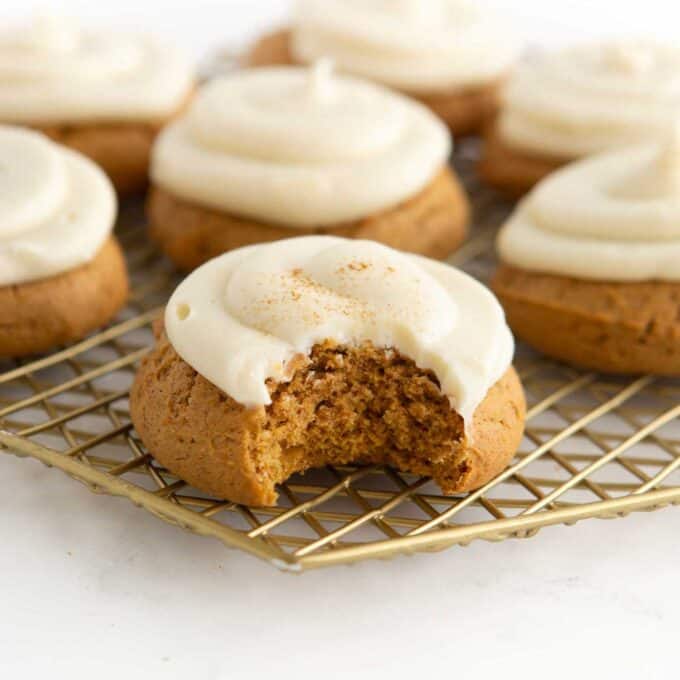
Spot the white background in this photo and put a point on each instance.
(94, 586)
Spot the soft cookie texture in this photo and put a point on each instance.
(284, 356)
(614, 327)
(62, 273)
(343, 405)
(39, 315)
(433, 223)
(465, 110)
(513, 171)
(252, 161)
(590, 259)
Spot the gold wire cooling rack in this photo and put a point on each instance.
(595, 446)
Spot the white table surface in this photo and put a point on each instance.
(94, 587)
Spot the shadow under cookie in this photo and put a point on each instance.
(612, 327)
(513, 171)
(464, 110)
(39, 315)
(343, 405)
(433, 223)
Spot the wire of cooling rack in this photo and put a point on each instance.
(595, 446)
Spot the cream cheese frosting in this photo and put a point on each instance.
(299, 147)
(52, 71)
(613, 217)
(241, 318)
(591, 98)
(57, 208)
(421, 46)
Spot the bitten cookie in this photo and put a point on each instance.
(272, 153)
(62, 274)
(317, 350)
(591, 263)
(453, 55)
(578, 102)
(103, 94)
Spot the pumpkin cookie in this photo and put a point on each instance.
(190, 234)
(453, 56)
(101, 93)
(281, 357)
(608, 326)
(62, 274)
(577, 102)
(272, 153)
(591, 263)
(511, 170)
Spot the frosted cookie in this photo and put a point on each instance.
(577, 102)
(62, 273)
(591, 262)
(281, 357)
(267, 154)
(450, 54)
(102, 93)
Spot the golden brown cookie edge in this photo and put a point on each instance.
(222, 466)
(60, 309)
(433, 223)
(512, 171)
(610, 327)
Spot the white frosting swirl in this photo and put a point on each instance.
(239, 319)
(413, 45)
(54, 72)
(592, 98)
(57, 208)
(300, 147)
(613, 217)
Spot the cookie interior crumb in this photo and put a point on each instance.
(360, 404)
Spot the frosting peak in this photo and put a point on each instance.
(253, 143)
(413, 45)
(269, 303)
(592, 98)
(610, 217)
(56, 207)
(54, 71)
(320, 80)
